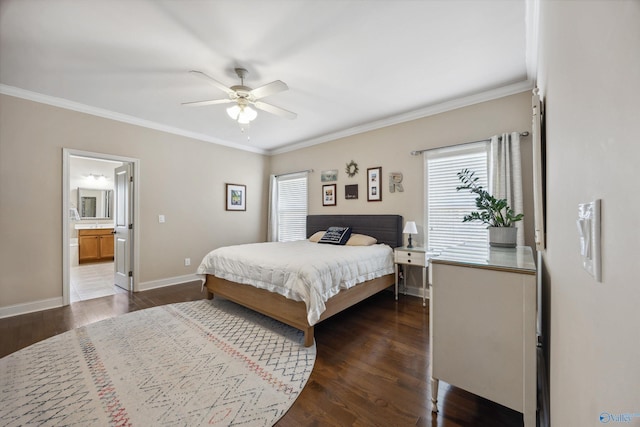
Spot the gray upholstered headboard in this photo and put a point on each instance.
(386, 228)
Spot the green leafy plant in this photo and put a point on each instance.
(491, 211)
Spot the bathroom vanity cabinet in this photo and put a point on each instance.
(95, 245)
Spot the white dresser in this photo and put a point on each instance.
(483, 324)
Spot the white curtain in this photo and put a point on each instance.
(272, 227)
(505, 174)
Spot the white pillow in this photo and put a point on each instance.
(316, 236)
(361, 240)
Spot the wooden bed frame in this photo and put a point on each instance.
(386, 228)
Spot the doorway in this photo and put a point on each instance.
(91, 208)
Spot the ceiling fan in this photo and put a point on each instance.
(244, 97)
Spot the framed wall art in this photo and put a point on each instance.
(329, 195)
(374, 188)
(236, 197)
(329, 175)
(351, 192)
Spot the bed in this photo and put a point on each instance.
(387, 229)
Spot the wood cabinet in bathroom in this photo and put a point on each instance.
(95, 245)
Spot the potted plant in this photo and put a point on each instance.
(496, 213)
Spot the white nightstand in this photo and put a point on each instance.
(412, 256)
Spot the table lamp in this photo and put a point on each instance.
(410, 228)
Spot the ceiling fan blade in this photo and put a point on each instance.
(212, 81)
(209, 102)
(275, 110)
(269, 89)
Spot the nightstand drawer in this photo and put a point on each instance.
(413, 258)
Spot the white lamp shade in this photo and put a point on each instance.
(233, 111)
(243, 114)
(410, 228)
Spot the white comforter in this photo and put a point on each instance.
(300, 270)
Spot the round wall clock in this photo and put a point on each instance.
(351, 169)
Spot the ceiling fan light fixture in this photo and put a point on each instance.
(233, 112)
(243, 114)
(248, 114)
(243, 97)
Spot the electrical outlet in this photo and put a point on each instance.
(187, 262)
(161, 219)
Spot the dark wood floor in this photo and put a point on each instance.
(371, 367)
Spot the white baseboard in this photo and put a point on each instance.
(414, 292)
(30, 307)
(170, 281)
(46, 304)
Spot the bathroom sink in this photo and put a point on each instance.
(92, 226)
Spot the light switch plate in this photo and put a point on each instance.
(589, 232)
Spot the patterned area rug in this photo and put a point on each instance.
(195, 363)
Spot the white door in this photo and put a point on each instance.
(123, 227)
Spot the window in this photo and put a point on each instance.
(289, 207)
(445, 207)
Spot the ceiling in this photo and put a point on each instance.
(351, 65)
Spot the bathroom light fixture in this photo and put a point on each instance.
(410, 228)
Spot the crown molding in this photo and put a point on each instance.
(532, 23)
(107, 114)
(430, 110)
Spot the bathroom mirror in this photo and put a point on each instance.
(95, 204)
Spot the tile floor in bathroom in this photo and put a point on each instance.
(94, 280)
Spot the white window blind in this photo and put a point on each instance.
(292, 207)
(445, 207)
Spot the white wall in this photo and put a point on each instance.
(181, 178)
(390, 148)
(590, 79)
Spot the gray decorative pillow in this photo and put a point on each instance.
(336, 235)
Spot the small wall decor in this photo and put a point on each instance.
(351, 169)
(374, 190)
(351, 192)
(329, 195)
(236, 197)
(329, 175)
(395, 182)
